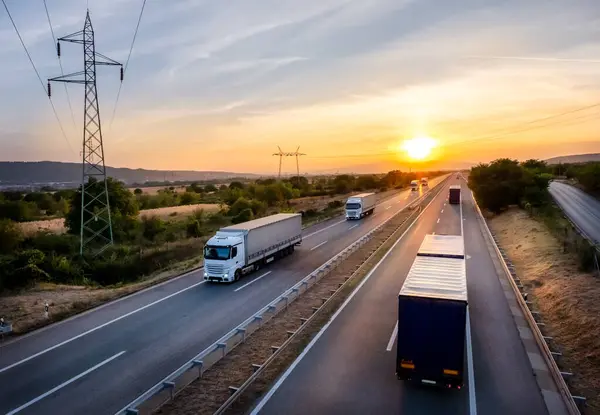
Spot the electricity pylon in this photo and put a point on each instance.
(96, 225)
(283, 154)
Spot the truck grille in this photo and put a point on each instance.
(352, 214)
(214, 269)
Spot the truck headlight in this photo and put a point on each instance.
(225, 276)
(206, 274)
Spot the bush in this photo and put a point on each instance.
(22, 269)
(53, 243)
(10, 236)
(240, 205)
(244, 216)
(138, 191)
(153, 227)
(335, 204)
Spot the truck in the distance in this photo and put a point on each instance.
(414, 185)
(240, 249)
(454, 194)
(361, 205)
(432, 315)
(424, 181)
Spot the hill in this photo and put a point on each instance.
(575, 158)
(56, 173)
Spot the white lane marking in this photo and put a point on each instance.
(438, 221)
(56, 346)
(392, 338)
(352, 227)
(252, 282)
(316, 246)
(442, 211)
(444, 203)
(62, 385)
(433, 233)
(388, 207)
(287, 373)
(470, 371)
(324, 229)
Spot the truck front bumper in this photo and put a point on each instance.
(218, 278)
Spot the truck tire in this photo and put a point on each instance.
(237, 275)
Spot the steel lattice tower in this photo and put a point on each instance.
(283, 154)
(96, 225)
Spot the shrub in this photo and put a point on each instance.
(153, 227)
(10, 236)
(50, 242)
(240, 205)
(244, 216)
(334, 204)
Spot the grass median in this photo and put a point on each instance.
(205, 395)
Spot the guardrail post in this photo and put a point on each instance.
(198, 364)
(315, 309)
(243, 331)
(232, 390)
(258, 319)
(579, 400)
(132, 411)
(272, 308)
(556, 355)
(303, 320)
(222, 346)
(286, 298)
(290, 333)
(255, 367)
(170, 386)
(296, 290)
(274, 349)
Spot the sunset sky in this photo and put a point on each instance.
(218, 85)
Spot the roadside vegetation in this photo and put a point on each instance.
(146, 244)
(552, 260)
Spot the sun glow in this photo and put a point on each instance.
(418, 148)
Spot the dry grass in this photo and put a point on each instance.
(205, 395)
(180, 211)
(569, 300)
(320, 202)
(26, 309)
(155, 189)
(51, 225)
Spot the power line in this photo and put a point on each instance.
(62, 72)
(127, 61)
(38, 75)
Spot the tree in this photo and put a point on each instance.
(138, 191)
(589, 177)
(244, 216)
(343, 184)
(153, 227)
(210, 188)
(367, 182)
(120, 199)
(240, 205)
(237, 185)
(188, 198)
(10, 236)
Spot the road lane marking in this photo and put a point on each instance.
(352, 227)
(438, 221)
(62, 385)
(316, 246)
(388, 207)
(392, 338)
(324, 229)
(56, 346)
(252, 282)
(442, 211)
(310, 345)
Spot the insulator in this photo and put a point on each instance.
(49, 90)
(122, 73)
(58, 48)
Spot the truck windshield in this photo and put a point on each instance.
(216, 252)
(350, 206)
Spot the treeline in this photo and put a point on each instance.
(147, 245)
(24, 207)
(587, 174)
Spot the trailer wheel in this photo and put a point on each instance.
(237, 275)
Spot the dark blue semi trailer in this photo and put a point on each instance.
(432, 315)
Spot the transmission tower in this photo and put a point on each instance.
(283, 154)
(96, 226)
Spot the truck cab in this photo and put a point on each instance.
(354, 208)
(414, 185)
(424, 181)
(223, 258)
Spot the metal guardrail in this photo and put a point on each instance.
(548, 355)
(219, 349)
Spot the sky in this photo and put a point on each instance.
(218, 85)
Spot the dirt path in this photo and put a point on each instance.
(569, 300)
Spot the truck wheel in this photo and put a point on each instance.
(237, 275)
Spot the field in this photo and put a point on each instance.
(566, 297)
(57, 225)
(154, 190)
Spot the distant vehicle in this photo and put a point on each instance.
(414, 185)
(240, 249)
(454, 194)
(424, 181)
(361, 205)
(432, 315)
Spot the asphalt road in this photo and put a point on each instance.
(98, 362)
(581, 208)
(350, 368)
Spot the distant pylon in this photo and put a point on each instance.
(283, 154)
(96, 224)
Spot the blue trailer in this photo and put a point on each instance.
(432, 315)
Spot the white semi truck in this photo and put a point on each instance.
(424, 181)
(239, 249)
(361, 205)
(414, 185)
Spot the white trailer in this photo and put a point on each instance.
(361, 205)
(240, 249)
(414, 185)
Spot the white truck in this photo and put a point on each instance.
(414, 185)
(239, 249)
(361, 205)
(424, 181)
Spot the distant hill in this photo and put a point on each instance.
(576, 158)
(57, 173)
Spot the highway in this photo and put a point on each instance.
(581, 208)
(98, 362)
(349, 367)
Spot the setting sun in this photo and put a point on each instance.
(418, 148)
